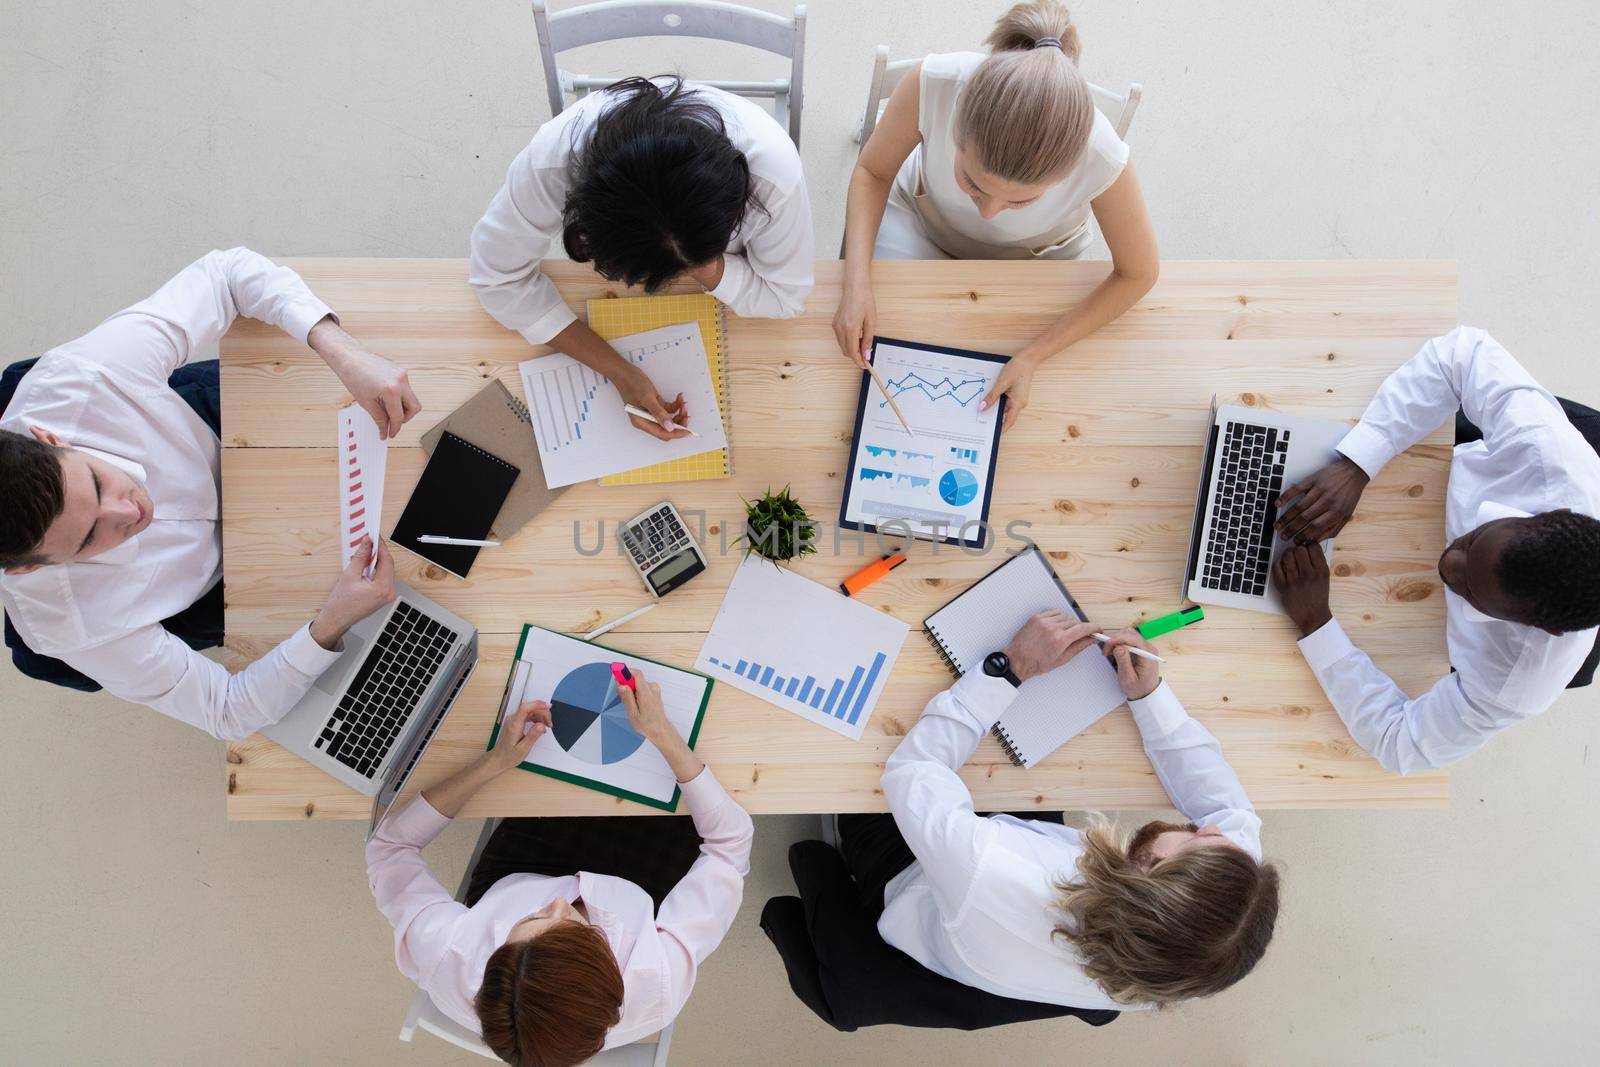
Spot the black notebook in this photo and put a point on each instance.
(460, 492)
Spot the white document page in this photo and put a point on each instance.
(803, 646)
(363, 463)
(578, 420)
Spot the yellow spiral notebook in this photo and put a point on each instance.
(620, 316)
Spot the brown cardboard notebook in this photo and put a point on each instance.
(498, 423)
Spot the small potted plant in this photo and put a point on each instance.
(777, 528)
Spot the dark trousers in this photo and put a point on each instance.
(652, 853)
(200, 624)
(875, 852)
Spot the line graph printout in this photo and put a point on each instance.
(577, 415)
(938, 481)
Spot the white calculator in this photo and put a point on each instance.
(662, 549)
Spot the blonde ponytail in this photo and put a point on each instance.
(1026, 112)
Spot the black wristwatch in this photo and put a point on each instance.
(998, 665)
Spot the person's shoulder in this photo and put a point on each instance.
(774, 160)
(553, 143)
(950, 66)
(46, 614)
(1104, 144)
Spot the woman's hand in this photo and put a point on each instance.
(638, 390)
(855, 321)
(517, 735)
(1014, 383)
(649, 718)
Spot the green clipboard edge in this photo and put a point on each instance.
(590, 783)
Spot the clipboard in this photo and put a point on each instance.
(947, 470)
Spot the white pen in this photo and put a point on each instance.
(629, 617)
(440, 539)
(668, 425)
(1102, 638)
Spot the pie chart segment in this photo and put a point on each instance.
(958, 487)
(588, 718)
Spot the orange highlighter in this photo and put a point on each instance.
(858, 581)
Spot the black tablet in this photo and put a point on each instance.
(936, 480)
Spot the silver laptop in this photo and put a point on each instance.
(368, 718)
(1251, 455)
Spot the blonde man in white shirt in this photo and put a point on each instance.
(1037, 911)
(652, 181)
(112, 490)
(998, 156)
(576, 934)
(1521, 570)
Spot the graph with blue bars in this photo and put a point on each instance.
(843, 698)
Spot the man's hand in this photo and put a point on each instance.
(517, 735)
(1046, 641)
(1014, 383)
(1321, 504)
(381, 388)
(354, 595)
(638, 390)
(1137, 676)
(1301, 578)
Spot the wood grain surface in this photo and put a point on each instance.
(1100, 471)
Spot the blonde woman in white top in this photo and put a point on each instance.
(998, 156)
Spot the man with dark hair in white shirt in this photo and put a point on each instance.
(112, 486)
(1521, 570)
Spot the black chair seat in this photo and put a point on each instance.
(850, 977)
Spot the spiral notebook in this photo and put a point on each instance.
(498, 423)
(459, 494)
(1050, 709)
(620, 316)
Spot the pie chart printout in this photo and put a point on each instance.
(958, 487)
(588, 718)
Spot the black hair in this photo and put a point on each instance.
(33, 495)
(657, 189)
(1551, 565)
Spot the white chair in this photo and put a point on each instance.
(425, 1014)
(1119, 108)
(615, 20)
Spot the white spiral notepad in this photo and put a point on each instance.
(1050, 709)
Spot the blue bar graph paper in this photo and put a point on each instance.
(846, 695)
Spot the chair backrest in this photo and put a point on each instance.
(423, 1012)
(886, 75)
(615, 20)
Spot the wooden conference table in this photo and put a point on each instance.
(1103, 464)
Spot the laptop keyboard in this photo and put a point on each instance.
(1244, 508)
(378, 700)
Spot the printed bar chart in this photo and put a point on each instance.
(848, 709)
(828, 665)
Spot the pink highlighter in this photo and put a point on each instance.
(624, 677)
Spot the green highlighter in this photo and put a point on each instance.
(1168, 623)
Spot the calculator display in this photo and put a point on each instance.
(664, 572)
